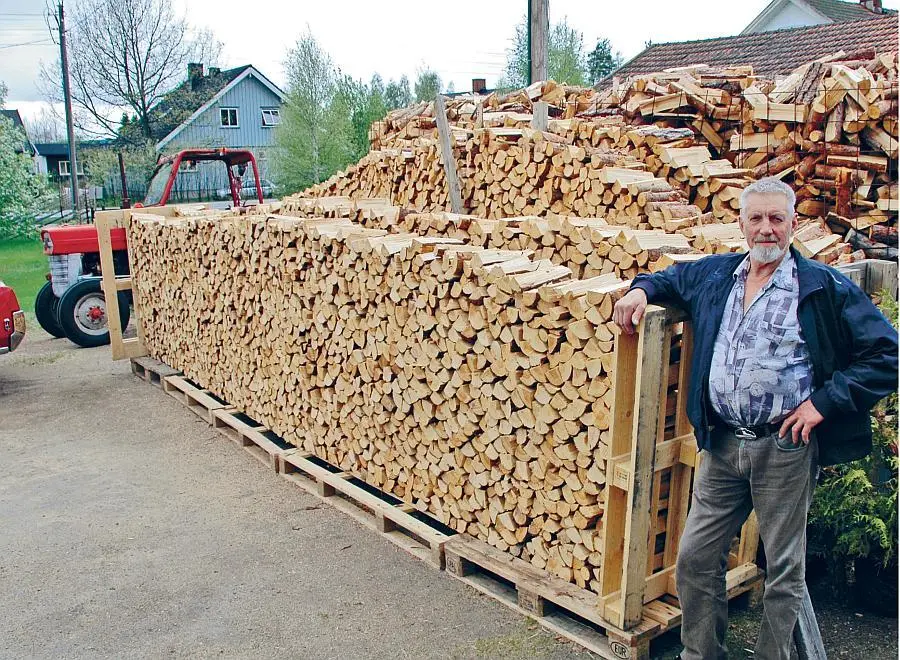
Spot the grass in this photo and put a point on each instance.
(24, 267)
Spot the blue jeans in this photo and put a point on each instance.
(735, 477)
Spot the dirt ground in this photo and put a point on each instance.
(131, 529)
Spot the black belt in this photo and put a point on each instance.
(755, 432)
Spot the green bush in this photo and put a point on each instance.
(854, 512)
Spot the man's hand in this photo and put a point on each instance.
(629, 311)
(800, 422)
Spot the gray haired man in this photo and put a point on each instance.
(789, 358)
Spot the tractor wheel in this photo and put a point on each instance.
(82, 313)
(45, 305)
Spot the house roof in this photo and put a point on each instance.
(822, 11)
(770, 53)
(839, 11)
(15, 116)
(62, 148)
(52, 149)
(210, 90)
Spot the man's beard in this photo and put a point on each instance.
(766, 254)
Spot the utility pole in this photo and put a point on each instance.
(70, 127)
(538, 29)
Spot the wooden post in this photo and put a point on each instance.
(440, 112)
(540, 116)
(538, 29)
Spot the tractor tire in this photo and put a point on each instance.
(82, 313)
(45, 306)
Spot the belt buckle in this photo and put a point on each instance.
(744, 433)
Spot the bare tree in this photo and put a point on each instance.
(125, 55)
(46, 127)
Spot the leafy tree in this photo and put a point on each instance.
(398, 94)
(854, 511)
(358, 102)
(565, 55)
(22, 192)
(126, 54)
(602, 61)
(101, 165)
(315, 137)
(566, 60)
(428, 85)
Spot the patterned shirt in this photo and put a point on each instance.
(761, 369)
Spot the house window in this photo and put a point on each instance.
(64, 169)
(271, 117)
(228, 117)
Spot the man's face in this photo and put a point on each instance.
(768, 225)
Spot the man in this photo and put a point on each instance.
(789, 358)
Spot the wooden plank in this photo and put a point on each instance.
(613, 532)
(749, 543)
(650, 388)
(680, 479)
(103, 222)
(440, 112)
(340, 484)
(197, 400)
(251, 438)
(525, 576)
(153, 371)
(557, 622)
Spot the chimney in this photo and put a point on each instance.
(195, 73)
(478, 85)
(873, 6)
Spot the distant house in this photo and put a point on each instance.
(14, 116)
(770, 53)
(52, 159)
(236, 108)
(783, 14)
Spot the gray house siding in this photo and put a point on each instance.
(249, 97)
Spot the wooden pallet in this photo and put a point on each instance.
(201, 401)
(399, 522)
(566, 609)
(256, 439)
(153, 371)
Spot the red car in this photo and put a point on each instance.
(12, 320)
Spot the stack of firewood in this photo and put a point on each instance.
(587, 247)
(473, 383)
(829, 129)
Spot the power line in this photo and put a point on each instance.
(27, 43)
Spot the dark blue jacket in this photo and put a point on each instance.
(852, 346)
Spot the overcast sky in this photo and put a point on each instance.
(466, 40)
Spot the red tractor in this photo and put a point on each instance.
(71, 303)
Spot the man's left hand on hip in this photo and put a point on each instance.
(801, 422)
